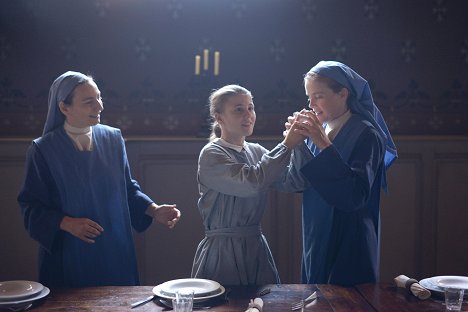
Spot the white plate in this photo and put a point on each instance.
(451, 281)
(431, 284)
(203, 289)
(23, 302)
(12, 290)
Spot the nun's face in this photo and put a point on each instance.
(324, 102)
(86, 107)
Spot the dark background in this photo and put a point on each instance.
(141, 52)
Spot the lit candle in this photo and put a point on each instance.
(205, 59)
(216, 63)
(197, 65)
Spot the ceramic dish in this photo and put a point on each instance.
(200, 287)
(12, 290)
(6, 304)
(451, 281)
(431, 284)
(218, 292)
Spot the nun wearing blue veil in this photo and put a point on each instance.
(78, 199)
(349, 150)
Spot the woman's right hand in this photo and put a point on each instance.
(83, 228)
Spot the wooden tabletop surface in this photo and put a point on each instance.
(366, 297)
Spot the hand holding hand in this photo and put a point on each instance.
(311, 127)
(83, 228)
(290, 121)
(291, 136)
(165, 214)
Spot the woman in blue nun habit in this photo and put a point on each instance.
(344, 166)
(78, 199)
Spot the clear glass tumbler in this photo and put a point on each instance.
(453, 298)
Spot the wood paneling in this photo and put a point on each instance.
(400, 218)
(18, 252)
(451, 215)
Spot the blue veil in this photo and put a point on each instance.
(59, 90)
(361, 102)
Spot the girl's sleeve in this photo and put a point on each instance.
(293, 180)
(220, 171)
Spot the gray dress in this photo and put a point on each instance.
(233, 194)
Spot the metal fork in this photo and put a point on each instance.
(301, 304)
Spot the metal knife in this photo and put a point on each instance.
(141, 302)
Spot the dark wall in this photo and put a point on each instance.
(414, 54)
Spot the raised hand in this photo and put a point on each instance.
(310, 126)
(293, 137)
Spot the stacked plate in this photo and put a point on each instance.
(21, 294)
(437, 284)
(203, 290)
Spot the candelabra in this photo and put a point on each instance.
(203, 82)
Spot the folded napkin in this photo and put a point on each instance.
(412, 285)
(255, 305)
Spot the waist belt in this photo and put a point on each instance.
(240, 231)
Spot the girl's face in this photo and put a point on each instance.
(237, 119)
(325, 103)
(86, 107)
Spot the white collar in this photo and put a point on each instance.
(336, 124)
(76, 131)
(225, 143)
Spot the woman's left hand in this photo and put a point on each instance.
(165, 214)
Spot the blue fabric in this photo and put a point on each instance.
(60, 180)
(361, 102)
(341, 208)
(60, 89)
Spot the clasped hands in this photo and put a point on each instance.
(87, 230)
(306, 124)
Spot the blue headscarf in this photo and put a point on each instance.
(59, 90)
(360, 102)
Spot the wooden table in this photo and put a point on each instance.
(366, 297)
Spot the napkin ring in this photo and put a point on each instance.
(255, 305)
(410, 282)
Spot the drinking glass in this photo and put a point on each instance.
(183, 302)
(453, 298)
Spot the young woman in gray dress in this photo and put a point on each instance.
(234, 177)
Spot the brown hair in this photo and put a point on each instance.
(332, 84)
(216, 102)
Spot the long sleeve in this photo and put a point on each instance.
(293, 179)
(346, 186)
(220, 170)
(138, 201)
(39, 200)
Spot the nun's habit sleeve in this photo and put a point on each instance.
(347, 187)
(39, 200)
(138, 201)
